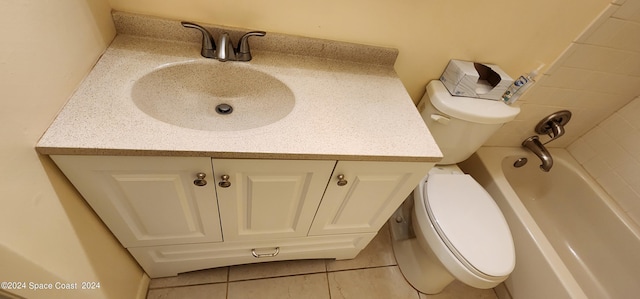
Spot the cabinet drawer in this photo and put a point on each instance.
(160, 261)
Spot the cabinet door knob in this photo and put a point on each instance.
(258, 255)
(341, 180)
(200, 181)
(224, 183)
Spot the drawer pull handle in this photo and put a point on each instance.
(224, 183)
(258, 255)
(200, 181)
(341, 180)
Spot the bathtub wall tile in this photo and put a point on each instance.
(631, 145)
(598, 74)
(598, 168)
(630, 173)
(629, 11)
(630, 114)
(581, 151)
(617, 127)
(610, 153)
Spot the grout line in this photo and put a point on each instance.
(228, 276)
(328, 284)
(279, 276)
(188, 285)
(292, 275)
(363, 268)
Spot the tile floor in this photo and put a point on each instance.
(372, 274)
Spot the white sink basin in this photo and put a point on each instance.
(197, 95)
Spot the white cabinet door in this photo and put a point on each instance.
(148, 201)
(367, 196)
(269, 199)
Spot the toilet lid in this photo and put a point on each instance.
(470, 223)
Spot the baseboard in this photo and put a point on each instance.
(502, 292)
(143, 287)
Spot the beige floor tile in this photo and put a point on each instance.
(191, 278)
(374, 283)
(378, 253)
(275, 269)
(459, 290)
(311, 286)
(207, 291)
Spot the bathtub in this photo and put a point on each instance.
(572, 240)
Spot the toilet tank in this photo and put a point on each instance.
(461, 125)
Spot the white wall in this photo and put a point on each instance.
(48, 233)
(598, 74)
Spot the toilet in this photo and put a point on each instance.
(453, 229)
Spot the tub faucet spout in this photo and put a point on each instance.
(534, 145)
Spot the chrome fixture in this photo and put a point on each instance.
(200, 181)
(224, 109)
(225, 51)
(208, 49)
(520, 162)
(258, 255)
(224, 181)
(553, 125)
(341, 180)
(533, 144)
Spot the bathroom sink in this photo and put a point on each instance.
(212, 96)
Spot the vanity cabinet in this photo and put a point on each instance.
(178, 214)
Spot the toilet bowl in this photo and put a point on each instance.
(460, 233)
(451, 228)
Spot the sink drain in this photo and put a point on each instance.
(224, 109)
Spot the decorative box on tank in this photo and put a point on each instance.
(476, 80)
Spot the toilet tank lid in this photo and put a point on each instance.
(470, 109)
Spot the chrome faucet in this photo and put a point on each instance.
(533, 144)
(552, 125)
(225, 51)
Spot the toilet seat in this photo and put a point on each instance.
(470, 224)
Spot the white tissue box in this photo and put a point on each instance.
(475, 80)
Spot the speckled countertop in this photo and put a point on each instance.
(349, 103)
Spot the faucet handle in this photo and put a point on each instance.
(208, 44)
(553, 125)
(244, 52)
